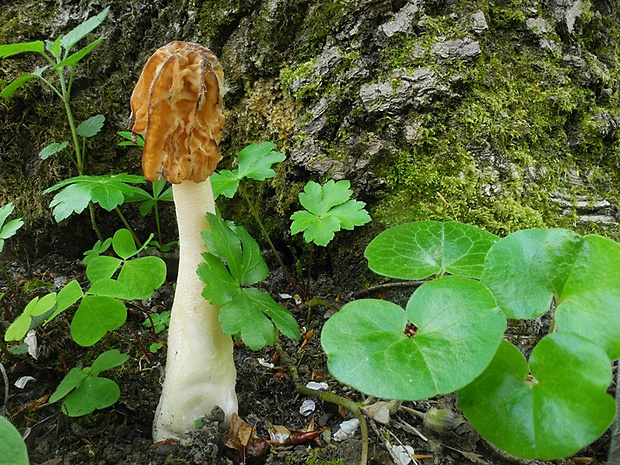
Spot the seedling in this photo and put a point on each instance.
(449, 338)
(83, 391)
(158, 321)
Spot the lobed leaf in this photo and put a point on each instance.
(255, 161)
(563, 408)
(459, 328)
(418, 250)
(225, 182)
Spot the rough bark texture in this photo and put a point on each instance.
(498, 113)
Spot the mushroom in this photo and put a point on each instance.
(177, 106)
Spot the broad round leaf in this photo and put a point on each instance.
(561, 410)
(526, 270)
(109, 359)
(142, 276)
(459, 328)
(95, 316)
(425, 248)
(124, 244)
(93, 394)
(12, 445)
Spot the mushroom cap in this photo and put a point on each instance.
(177, 106)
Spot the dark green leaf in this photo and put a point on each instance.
(73, 379)
(91, 126)
(16, 83)
(93, 394)
(52, 149)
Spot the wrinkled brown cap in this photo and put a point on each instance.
(177, 106)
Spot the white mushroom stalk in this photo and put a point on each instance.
(177, 105)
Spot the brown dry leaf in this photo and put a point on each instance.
(242, 438)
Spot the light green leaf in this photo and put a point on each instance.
(581, 273)
(54, 47)
(95, 316)
(220, 286)
(102, 267)
(8, 50)
(123, 244)
(459, 328)
(561, 410)
(418, 250)
(225, 182)
(67, 296)
(36, 307)
(221, 241)
(91, 126)
(350, 214)
(72, 60)
(255, 161)
(73, 379)
(75, 35)
(107, 360)
(93, 394)
(253, 267)
(13, 447)
(5, 212)
(16, 83)
(52, 149)
(142, 276)
(10, 228)
(319, 199)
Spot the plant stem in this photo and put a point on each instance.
(129, 228)
(351, 406)
(93, 222)
(139, 341)
(254, 212)
(148, 315)
(309, 275)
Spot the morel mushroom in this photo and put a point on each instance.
(177, 106)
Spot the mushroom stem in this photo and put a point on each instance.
(200, 371)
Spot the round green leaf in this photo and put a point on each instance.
(12, 447)
(425, 248)
(95, 316)
(142, 276)
(93, 394)
(459, 328)
(526, 270)
(563, 408)
(109, 359)
(123, 244)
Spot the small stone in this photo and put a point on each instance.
(538, 26)
(478, 22)
(466, 49)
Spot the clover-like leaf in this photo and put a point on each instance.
(559, 409)
(36, 307)
(425, 248)
(526, 270)
(329, 208)
(95, 316)
(91, 126)
(372, 347)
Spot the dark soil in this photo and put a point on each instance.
(122, 434)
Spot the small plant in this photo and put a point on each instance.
(234, 262)
(83, 391)
(449, 338)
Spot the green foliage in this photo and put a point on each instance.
(255, 162)
(101, 309)
(448, 338)
(8, 228)
(13, 449)
(329, 208)
(246, 312)
(76, 193)
(83, 391)
(160, 321)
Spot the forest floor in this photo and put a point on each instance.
(266, 389)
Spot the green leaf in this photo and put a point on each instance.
(93, 394)
(107, 360)
(123, 244)
(67, 296)
(561, 410)
(255, 161)
(16, 83)
(220, 286)
(253, 268)
(54, 47)
(13, 49)
(14, 451)
(95, 316)
(459, 328)
(52, 149)
(418, 250)
(5, 212)
(36, 307)
(580, 273)
(73, 379)
(72, 60)
(102, 267)
(221, 241)
(142, 277)
(98, 249)
(246, 316)
(110, 288)
(329, 210)
(75, 35)
(10, 228)
(106, 190)
(225, 182)
(91, 126)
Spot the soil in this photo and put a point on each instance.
(267, 396)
